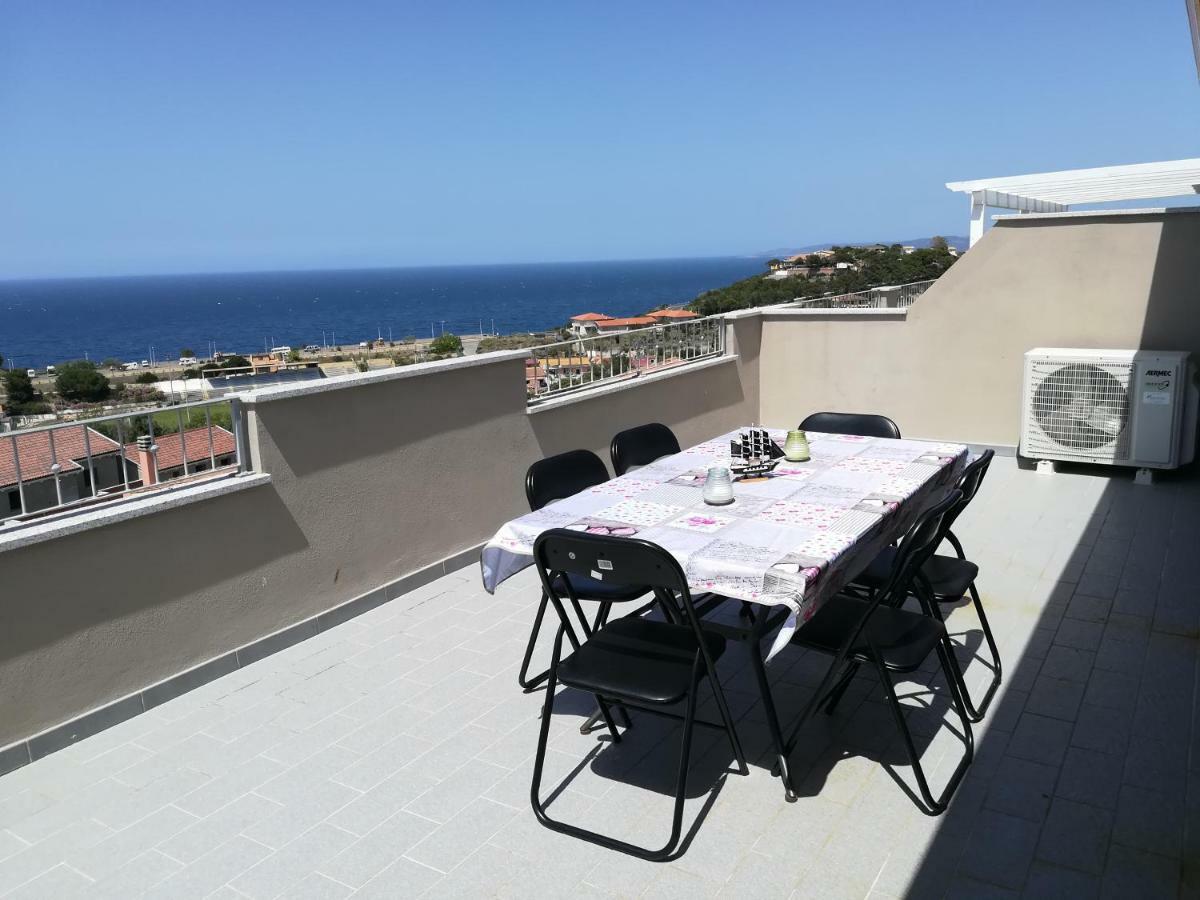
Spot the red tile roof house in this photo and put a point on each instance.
(616, 326)
(673, 315)
(34, 455)
(584, 324)
(167, 463)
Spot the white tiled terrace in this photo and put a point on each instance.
(390, 756)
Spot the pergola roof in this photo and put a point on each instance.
(1058, 191)
(1137, 182)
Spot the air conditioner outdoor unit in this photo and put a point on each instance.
(1117, 407)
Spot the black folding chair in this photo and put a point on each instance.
(632, 661)
(947, 579)
(555, 478)
(641, 446)
(867, 424)
(877, 632)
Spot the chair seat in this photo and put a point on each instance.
(594, 589)
(638, 659)
(904, 639)
(949, 576)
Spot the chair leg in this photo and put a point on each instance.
(727, 718)
(539, 759)
(523, 679)
(977, 714)
(529, 684)
(931, 608)
(839, 689)
(935, 805)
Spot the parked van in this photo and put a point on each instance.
(49, 370)
(32, 373)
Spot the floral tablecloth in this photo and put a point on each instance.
(792, 538)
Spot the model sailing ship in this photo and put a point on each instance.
(753, 453)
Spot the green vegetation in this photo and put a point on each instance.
(146, 378)
(82, 382)
(229, 362)
(516, 341)
(187, 353)
(890, 265)
(403, 359)
(112, 363)
(293, 356)
(446, 345)
(18, 388)
(165, 422)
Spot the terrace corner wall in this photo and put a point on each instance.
(375, 479)
(952, 369)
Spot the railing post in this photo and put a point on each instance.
(241, 436)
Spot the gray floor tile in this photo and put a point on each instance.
(1000, 849)
(1055, 697)
(1089, 776)
(1076, 836)
(1068, 663)
(461, 835)
(1151, 821)
(1137, 873)
(1022, 788)
(1040, 739)
(1050, 882)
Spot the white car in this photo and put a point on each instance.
(32, 373)
(130, 366)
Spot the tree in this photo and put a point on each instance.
(146, 378)
(82, 381)
(113, 363)
(293, 356)
(937, 242)
(446, 345)
(187, 353)
(18, 389)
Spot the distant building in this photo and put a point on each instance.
(584, 324)
(617, 326)
(36, 460)
(908, 249)
(150, 467)
(672, 315)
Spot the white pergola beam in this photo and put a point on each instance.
(1058, 191)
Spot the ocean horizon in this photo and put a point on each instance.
(48, 321)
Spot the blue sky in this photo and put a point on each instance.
(169, 137)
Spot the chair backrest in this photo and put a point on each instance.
(615, 560)
(968, 484)
(562, 475)
(916, 547)
(867, 424)
(642, 445)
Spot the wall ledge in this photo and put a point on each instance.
(603, 390)
(1147, 211)
(122, 510)
(361, 379)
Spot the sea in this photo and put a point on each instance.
(133, 318)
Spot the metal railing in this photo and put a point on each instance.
(65, 466)
(899, 296)
(587, 361)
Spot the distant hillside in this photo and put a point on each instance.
(866, 269)
(958, 241)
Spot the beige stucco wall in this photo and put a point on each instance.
(953, 368)
(369, 483)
